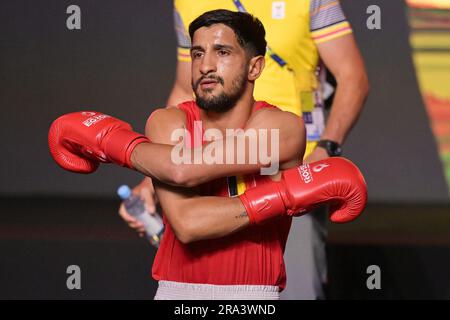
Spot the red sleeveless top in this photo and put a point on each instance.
(252, 256)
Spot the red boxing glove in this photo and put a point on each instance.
(79, 141)
(334, 181)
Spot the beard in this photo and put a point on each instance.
(224, 101)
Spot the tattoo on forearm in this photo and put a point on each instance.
(242, 215)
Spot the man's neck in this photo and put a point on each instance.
(234, 118)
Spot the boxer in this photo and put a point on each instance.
(226, 225)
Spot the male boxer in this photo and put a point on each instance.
(226, 225)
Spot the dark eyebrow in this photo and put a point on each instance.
(196, 48)
(223, 46)
(216, 47)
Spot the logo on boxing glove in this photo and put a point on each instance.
(320, 167)
(305, 173)
(90, 121)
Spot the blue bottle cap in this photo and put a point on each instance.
(124, 192)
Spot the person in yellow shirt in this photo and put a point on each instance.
(303, 38)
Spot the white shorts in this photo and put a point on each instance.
(170, 290)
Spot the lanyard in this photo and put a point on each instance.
(272, 54)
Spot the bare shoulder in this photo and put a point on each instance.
(291, 130)
(275, 118)
(162, 122)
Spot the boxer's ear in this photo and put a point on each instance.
(255, 67)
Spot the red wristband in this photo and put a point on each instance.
(120, 144)
(263, 203)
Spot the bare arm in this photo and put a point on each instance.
(193, 217)
(182, 90)
(158, 160)
(342, 57)
(196, 218)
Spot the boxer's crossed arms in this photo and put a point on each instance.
(80, 141)
(271, 139)
(193, 217)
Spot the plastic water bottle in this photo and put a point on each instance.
(153, 224)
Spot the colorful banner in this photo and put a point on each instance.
(430, 39)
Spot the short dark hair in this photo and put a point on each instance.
(249, 31)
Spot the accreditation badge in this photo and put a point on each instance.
(313, 114)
